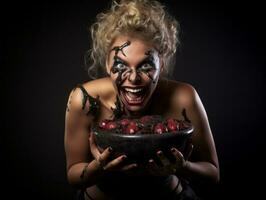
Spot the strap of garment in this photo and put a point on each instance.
(93, 102)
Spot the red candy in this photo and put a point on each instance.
(132, 128)
(148, 124)
(103, 123)
(111, 125)
(159, 128)
(124, 122)
(172, 124)
(145, 119)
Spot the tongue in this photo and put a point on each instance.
(134, 96)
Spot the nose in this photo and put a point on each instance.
(134, 77)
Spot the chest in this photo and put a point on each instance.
(158, 106)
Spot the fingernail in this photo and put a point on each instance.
(173, 150)
(150, 161)
(110, 149)
(124, 157)
(160, 153)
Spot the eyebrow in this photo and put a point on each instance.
(117, 58)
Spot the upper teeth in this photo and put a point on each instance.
(133, 90)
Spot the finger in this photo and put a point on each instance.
(115, 163)
(106, 153)
(153, 166)
(165, 161)
(129, 167)
(102, 159)
(178, 155)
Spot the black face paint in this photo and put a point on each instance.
(94, 102)
(119, 66)
(118, 110)
(123, 71)
(117, 49)
(149, 61)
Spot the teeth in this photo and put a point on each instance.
(133, 90)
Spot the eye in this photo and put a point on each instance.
(146, 67)
(120, 66)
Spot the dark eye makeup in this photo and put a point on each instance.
(146, 67)
(119, 65)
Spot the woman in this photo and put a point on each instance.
(134, 42)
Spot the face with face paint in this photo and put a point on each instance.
(134, 67)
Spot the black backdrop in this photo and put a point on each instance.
(42, 59)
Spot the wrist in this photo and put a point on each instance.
(184, 169)
(91, 173)
(97, 166)
(187, 165)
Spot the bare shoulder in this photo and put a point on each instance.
(181, 93)
(101, 88)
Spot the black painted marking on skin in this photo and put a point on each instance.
(115, 69)
(120, 67)
(94, 102)
(118, 110)
(150, 77)
(117, 48)
(185, 115)
(149, 60)
(69, 102)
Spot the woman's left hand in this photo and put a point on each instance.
(168, 167)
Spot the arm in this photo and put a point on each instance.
(85, 162)
(78, 157)
(204, 164)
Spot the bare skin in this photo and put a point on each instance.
(86, 164)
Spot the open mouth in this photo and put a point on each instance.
(134, 95)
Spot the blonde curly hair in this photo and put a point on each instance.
(145, 18)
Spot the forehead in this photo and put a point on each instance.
(137, 49)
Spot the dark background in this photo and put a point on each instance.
(42, 60)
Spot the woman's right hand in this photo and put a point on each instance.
(103, 158)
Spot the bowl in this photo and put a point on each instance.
(140, 148)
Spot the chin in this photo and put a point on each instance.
(135, 108)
